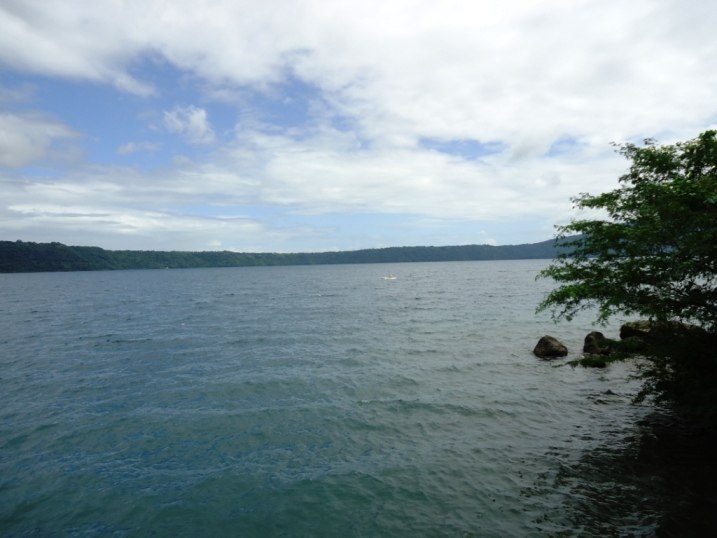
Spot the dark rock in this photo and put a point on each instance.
(597, 344)
(658, 330)
(549, 347)
(640, 328)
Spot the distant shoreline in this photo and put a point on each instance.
(29, 257)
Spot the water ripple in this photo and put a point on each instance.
(305, 401)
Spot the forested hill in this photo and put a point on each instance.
(20, 256)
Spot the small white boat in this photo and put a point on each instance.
(389, 276)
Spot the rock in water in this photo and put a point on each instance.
(639, 328)
(596, 344)
(549, 347)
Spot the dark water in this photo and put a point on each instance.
(313, 401)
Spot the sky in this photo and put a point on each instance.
(318, 125)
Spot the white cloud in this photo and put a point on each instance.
(190, 122)
(30, 139)
(91, 211)
(77, 39)
(523, 73)
(134, 147)
(511, 70)
(329, 173)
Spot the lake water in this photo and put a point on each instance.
(309, 401)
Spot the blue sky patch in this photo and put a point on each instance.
(466, 148)
(563, 145)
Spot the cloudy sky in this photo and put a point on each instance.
(280, 125)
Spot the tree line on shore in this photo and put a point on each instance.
(23, 256)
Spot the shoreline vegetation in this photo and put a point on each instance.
(30, 257)
(649, 249)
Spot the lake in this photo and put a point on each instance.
(310, 401)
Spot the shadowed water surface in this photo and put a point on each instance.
(309, 401)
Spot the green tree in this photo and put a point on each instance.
(653, 251)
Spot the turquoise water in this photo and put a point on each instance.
(307, 401)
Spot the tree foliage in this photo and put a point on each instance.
(654, 250)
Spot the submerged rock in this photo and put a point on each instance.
(549, 347)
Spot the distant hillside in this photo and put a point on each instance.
(22, 257)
